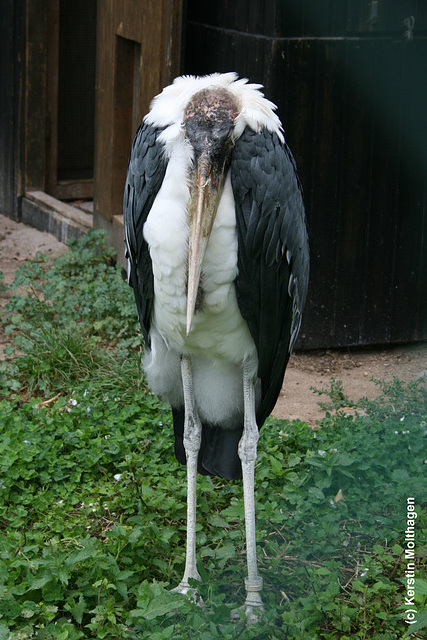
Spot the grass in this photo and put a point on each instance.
(92, 502)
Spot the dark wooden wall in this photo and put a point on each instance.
(31, 105)
(351, 87)
(11, 35)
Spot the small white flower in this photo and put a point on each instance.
(73, 402)
(117, 477)
(364, 572)
(321, 453)
(88, 410)
(60, 502)
(334, 450)
(86, 392)
(26, 442)
(402, 418)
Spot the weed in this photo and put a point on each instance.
(76, 321)
(92, 502)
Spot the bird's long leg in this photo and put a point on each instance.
(247, 453)
(192, 440)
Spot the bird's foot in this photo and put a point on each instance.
(252, 613)
(192, 593)
(253, 606)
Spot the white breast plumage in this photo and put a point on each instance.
(217, 325)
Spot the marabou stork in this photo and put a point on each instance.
(217, 249)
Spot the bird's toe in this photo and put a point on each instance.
(192, 593)
(248, 613)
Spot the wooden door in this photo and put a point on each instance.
(138, 54)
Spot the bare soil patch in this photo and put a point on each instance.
(355, 367)
(19, 242)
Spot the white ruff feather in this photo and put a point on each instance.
(167, 109)
(219, 341)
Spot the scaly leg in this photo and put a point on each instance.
(253, 606)
(192, 440)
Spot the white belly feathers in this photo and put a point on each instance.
(219, 338)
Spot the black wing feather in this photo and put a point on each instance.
(273, 259)
(146, 170)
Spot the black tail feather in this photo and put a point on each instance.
(218, 455)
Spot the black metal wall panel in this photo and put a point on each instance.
(350, 81)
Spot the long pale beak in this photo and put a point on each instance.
(202, 209)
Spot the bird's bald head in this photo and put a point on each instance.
(209, 119)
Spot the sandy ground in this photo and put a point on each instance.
(19, 242)
(355, 367)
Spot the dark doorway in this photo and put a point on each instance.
(71, 98)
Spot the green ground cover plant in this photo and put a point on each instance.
(93, 504)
